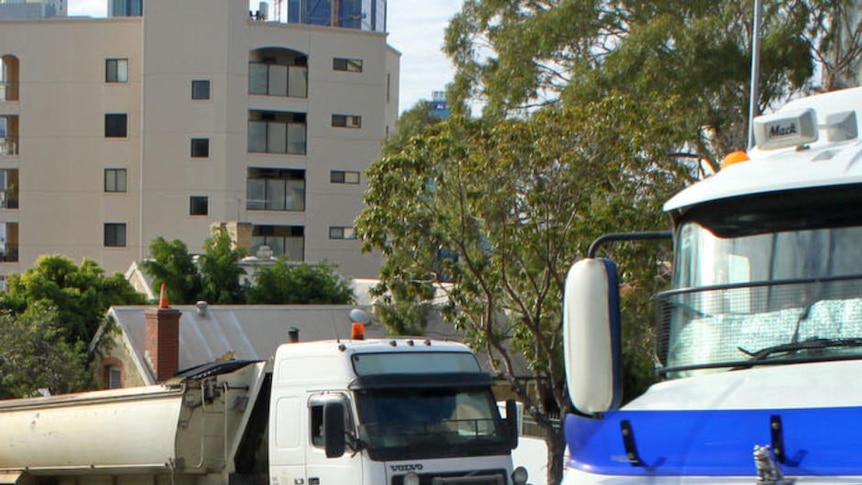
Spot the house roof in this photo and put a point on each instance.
(246, 332)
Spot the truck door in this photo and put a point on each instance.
(321, 470)
(287, 438)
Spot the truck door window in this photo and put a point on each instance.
(315, 416)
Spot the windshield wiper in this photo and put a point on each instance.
(810, 344)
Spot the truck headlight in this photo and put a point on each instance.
(519, 476)
(411, 479)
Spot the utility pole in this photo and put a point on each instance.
(755, 70)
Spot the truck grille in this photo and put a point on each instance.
(484, 477)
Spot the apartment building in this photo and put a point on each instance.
(114, 131)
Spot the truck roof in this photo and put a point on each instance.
(399, 344)
(818, 163)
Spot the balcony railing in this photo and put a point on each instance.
(8, 146)
(9, 253)
(8, 199)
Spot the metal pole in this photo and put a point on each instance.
(755, 70)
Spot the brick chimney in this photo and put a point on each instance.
(162, 346)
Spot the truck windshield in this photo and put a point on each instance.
(765, 284)
(404, 423)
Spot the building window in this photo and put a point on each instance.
(198, 205)
(269, 79)
(115, 180)
(276, 132)
(200, 147)
(115, 234)
(347, 121)
(114, 377)
(115, 125)
(349, 65)
(287, 241)
(201, 89)
(337, 232)
(275, 190)
(343, 177)
(116, 70)
(388, 85)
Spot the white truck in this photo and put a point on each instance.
(394, 411)
(759, 338)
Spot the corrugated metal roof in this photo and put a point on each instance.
(249, 332)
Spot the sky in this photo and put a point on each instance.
(415, 29)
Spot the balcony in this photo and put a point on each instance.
(275, 190)
(276, 136)
(9, 147)
(277, 80)
(9, 67)
(8, 199)
(9, 242)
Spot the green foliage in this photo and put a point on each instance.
(80, 294)
(217, 276)
(37, 353)
(518, 53)
(171, 263)
(289, 283)
(410, 123)
(220, 270)
(516, 201)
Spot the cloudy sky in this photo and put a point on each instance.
(415, 29)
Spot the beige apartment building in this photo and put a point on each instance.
(114, 131)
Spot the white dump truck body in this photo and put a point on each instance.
(759, 337)
(398, 412)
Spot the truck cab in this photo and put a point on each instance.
(399, 411)
(760, 333)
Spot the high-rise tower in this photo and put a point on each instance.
(352, 14)
(125, 8)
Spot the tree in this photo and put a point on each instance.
(220, 270)
(171, 263)
(410, 123)
(517, 201)
(517, 54)
(289, 283)
(80, 294)
(37, 354)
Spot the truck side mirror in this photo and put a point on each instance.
(333, 429)
(591, 336)
(513, 421)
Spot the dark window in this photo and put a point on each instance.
(347, 121)
(198, 205)
(341, 233)
(115, 125)
(200, 147)
(115, 234)
(200, 89)
(116, 70)
(317, 426)
(113, 377)
(344, 177)
(115, 180)
(349, 65)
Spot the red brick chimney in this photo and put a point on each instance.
(162, 347)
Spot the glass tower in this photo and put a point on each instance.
(351, 14)
(125, 8)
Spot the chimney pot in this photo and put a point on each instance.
(162, 341)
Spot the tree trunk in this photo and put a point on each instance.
(555, 439)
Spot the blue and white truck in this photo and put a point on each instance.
(759, 338)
